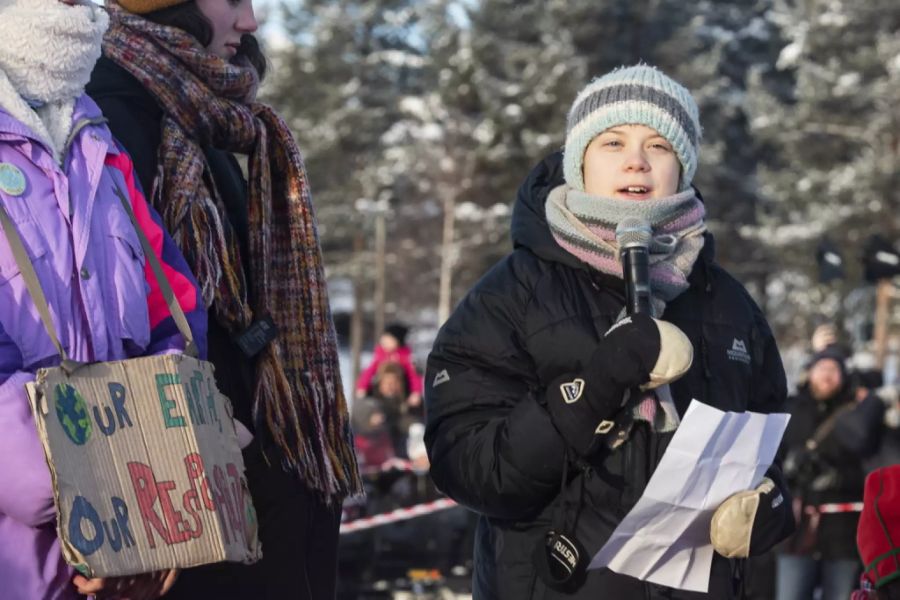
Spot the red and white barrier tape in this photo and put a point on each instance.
(395, 516)
(840, 507)
(393, 465)
(419, 510)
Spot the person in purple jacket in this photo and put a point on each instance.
(61, 177)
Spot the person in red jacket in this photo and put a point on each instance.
(392, 348)
(878, 536)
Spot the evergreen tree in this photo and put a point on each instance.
(338, 84)
(832, 168)
(721, 47)
(500, 81)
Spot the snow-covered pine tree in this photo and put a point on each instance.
(721, 46)
(834, 139)
(338, 83)
(500, 79)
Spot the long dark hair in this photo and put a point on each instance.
(187, 17)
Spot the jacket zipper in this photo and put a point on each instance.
(67, 148)
(76, 276)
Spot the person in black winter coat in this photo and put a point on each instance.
(177, 82)
(530, 421)
(829, 435)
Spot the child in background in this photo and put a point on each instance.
(392, 348)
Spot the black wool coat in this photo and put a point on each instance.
(536, 315)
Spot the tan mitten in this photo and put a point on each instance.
(732, 523)
(675, 356)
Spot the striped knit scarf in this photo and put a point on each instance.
(585, 226)
(298, 397)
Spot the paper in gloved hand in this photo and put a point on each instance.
(664, 539)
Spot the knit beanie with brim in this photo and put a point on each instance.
(878, 533)
(638, 95)
(142, 7)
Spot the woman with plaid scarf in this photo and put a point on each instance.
(178, 82)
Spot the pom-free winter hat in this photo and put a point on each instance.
(398, 331)
(832, 352)
(142, 7)
(638, 95)
(878, 534)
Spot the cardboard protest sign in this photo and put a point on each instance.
(146, 467)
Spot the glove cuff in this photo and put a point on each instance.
(676, 353)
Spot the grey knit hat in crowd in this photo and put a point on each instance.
(638, 95)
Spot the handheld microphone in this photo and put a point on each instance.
(633, 235)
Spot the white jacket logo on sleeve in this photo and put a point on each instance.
(442, 377)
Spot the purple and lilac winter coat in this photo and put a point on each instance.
(104, 302)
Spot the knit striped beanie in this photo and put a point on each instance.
(638, 95)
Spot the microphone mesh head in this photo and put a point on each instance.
(633, 232)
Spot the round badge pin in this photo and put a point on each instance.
(12, 180)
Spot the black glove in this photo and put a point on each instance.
(638, 351)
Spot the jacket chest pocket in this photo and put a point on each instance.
(18, 313)
(125, 288)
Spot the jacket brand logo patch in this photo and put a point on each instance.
(572, 390)
(739, 352)
(442, 377)
(604, 427)
(12, 180)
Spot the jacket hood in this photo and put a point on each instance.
(529, 227)
(84, 109)
(85, 112)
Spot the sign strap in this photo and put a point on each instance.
(20, 255)
(34, 287)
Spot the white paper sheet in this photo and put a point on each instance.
(713, 454)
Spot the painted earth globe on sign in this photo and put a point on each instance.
(73, 414)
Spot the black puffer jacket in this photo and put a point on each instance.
(539, 314)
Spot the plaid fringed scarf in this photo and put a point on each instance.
(298, 399)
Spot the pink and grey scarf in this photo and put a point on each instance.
(585, 226)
